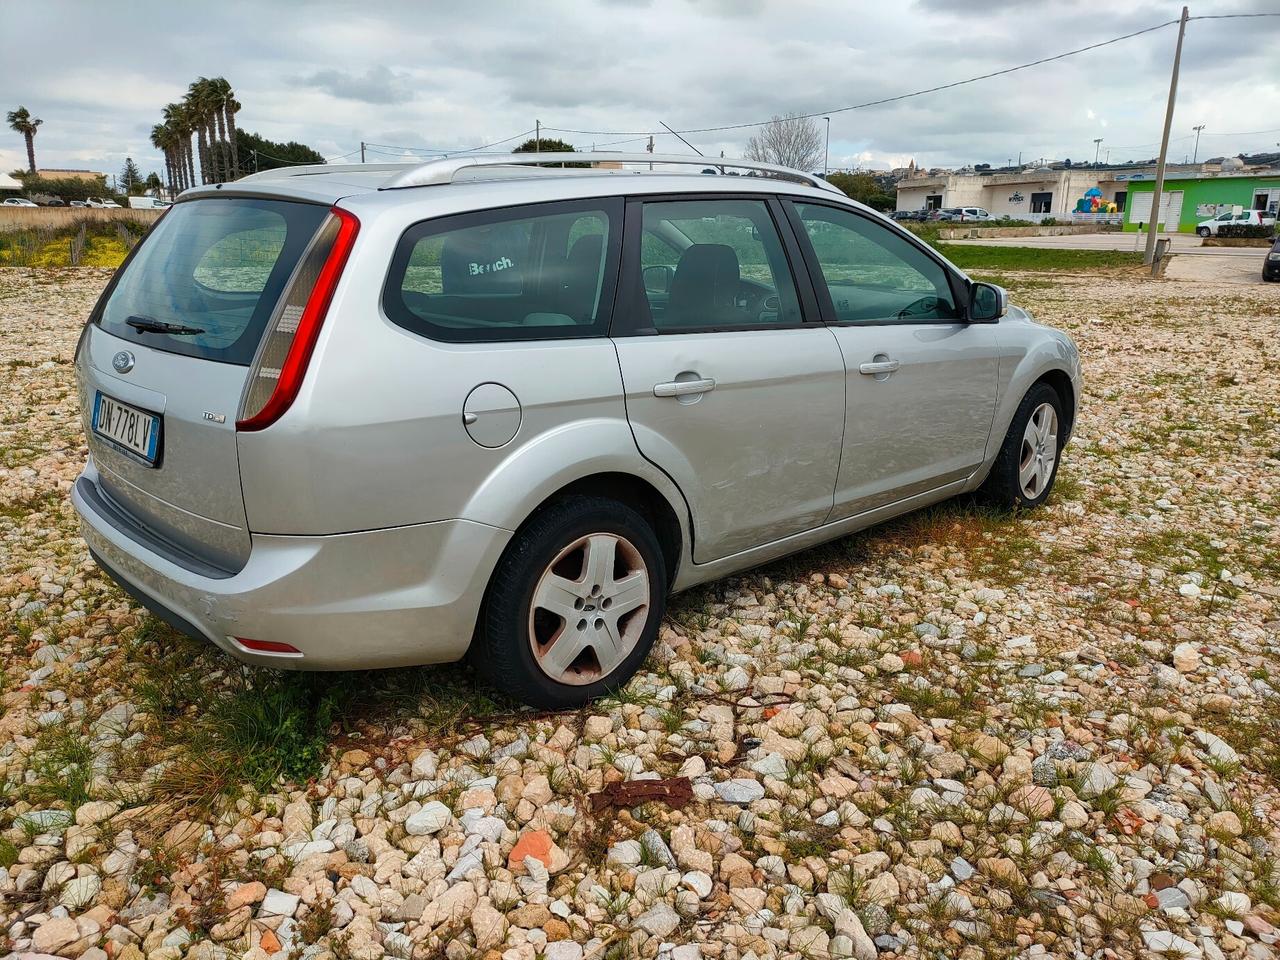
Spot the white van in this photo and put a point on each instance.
(147, 203)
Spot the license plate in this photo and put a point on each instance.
(137, 431)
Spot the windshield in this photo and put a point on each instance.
(213, 269)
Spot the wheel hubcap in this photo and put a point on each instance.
(1039, 451)
(589, 609)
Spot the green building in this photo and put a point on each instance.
(1190, 198)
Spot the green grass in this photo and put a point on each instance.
(62, 765)
(978, 257)
(8, 853)
(225, 726)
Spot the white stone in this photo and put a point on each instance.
(277, 903)
(432, 818)
(699, 882)
(563, 950)
(1170, 944)
(658, 920)
(740, 791)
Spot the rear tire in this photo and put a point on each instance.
(574, 605)
(1027, 464)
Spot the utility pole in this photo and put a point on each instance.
(362, 151)
(826, 152)
(1196, 152)
(537, 136)
(1150, 254)
(1097, 146)
(649, 148)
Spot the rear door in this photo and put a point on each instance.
(165, 360)
(731, 385)
(920, 381)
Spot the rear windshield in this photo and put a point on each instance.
(214, 268)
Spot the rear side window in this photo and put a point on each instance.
(545, 271)
(212, 270)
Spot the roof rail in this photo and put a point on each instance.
(444, 170)
(316, 169)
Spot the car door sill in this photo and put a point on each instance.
(695, 573)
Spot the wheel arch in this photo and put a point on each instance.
(638, 494)
(598, 457)
(1061, 383)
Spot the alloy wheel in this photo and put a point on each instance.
(1039, 451)
(589, 609)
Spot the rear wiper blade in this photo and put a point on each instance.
(147, 325)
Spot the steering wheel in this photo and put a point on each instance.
(921, 306)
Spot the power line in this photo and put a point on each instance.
(1232, 16)
(450, 150)
(882, 101)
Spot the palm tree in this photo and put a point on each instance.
(164, 140)
(206, 101)
(178, 120)
(227, 106)
(199, 119)
(21, 121)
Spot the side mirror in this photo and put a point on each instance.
(987, 303)
(658, 279)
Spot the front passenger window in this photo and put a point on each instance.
(873, 274)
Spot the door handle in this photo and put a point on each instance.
(880, 366)
(684, 388)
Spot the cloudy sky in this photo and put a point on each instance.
(446, 76)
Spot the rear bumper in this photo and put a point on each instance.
(383, 598)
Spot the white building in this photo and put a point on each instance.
(1026, 195)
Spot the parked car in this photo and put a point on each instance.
(1246, 218)
(18, 202)
(969, 214)
(52, 202)
(77, 203)
(147, 203)
(102, 204)
(946, 214)
(1271, 265)
(354, 418)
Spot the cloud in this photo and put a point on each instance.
(439, 76)
(379, 85)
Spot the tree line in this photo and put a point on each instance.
(207, 115)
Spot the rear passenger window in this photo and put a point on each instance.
(712, 264)
(528, 273)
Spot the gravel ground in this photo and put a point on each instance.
(959, 735)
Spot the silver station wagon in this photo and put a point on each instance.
(373, 416)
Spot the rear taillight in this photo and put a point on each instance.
(291, 335)
(268, 646)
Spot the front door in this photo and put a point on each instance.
(920, 382)
(733, 385)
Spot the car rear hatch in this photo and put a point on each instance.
(166, 359)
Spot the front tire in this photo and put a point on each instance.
(574, 604)
(1204, 231)
(1027, 464)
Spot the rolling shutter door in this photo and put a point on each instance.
(1170, 208)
